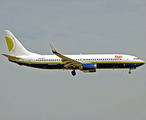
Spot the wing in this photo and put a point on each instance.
(66, 60)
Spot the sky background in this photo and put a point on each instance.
(73, 26)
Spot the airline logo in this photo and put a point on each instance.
(116, 56)
(10, 43)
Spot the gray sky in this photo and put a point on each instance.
(73, 26)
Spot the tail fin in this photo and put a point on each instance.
(14, 46)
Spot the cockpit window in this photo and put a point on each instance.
(136, 58)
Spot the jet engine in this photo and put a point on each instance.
(88, 67)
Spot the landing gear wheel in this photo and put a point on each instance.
(73, 72)
(129, 72)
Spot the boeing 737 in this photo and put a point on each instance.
(87, 63)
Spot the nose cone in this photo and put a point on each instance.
(142, 62)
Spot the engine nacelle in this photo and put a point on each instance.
(88, 67)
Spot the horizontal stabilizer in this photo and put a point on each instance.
(11, 57)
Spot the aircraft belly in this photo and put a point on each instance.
(117, 65)
(48, 66)
(41, 66)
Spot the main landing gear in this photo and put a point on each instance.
(73, 72)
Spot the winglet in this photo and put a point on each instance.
(53, 49)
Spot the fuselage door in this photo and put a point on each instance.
(29, 60)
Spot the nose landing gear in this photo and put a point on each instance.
(131, 69)
(129, 72)
(73, 72)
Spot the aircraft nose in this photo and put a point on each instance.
(142, 62)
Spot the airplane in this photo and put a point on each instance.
(87, 63)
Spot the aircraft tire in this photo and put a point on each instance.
(129, 72)
(73, 72)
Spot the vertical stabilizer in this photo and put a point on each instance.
(14, 46)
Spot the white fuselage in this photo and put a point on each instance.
(102, 61)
